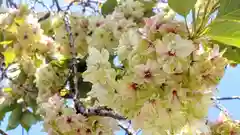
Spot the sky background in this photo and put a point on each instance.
(228, 87)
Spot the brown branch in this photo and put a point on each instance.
(2, 132)
(97, 111)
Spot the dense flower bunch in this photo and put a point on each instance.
(165, 80)
(60, 119)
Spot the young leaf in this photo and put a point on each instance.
(63, 92)
(227, 32)
(37, 61)
(229, 9)
(27, 120)
(14, 118)
(7, 90)
(6, 42)
(9, 56)
(182, 7)
(108, 7)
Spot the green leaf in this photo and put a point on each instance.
(38, 117)
(229, 9)
(22, 77)
(108, 7)
(182, 7)
(15, 117)
(6, 107)
(148, 7)
(7, 90)
(37, 61)
(231, 53)
(9, 56)
(227, 32)
(32, 103)
(6, 42)
(83, 87)
(28, 119)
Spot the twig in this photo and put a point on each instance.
(2, 132)
(226, 98)
(46, 16)
(126, 130)
(70, 4)
(57, 5)
(53, 3)
(44, 5)
(222, 108)
(10, 3)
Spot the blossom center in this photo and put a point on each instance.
(133, 86)
(171, 53)
(69, 120)
(147, 74)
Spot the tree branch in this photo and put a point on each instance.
(73, 54)
(97, 111)
(2, 132)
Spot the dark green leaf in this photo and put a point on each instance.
(28, 119)
(182, 7)
(38, 117)
(231, 53)
(33, 104)
(22, 77)
(108, 7)
(84, 88)
(6, 107)
(227, 32)
(229, 9)
(15, 117)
